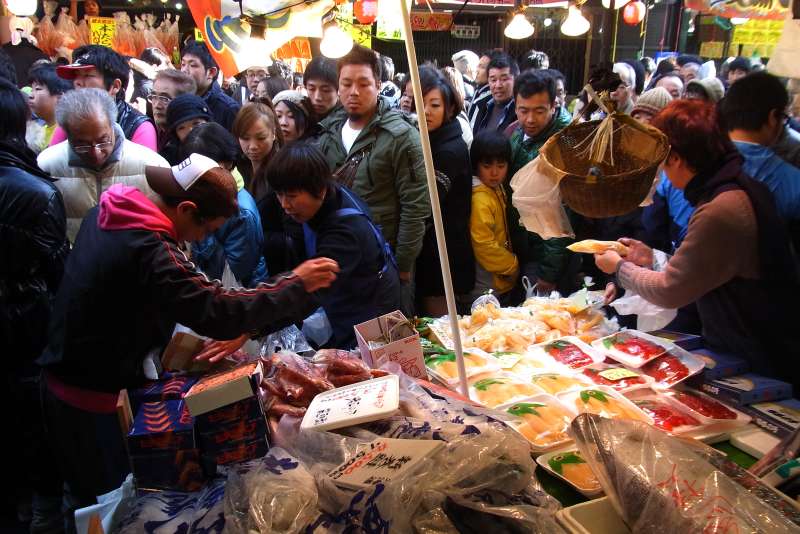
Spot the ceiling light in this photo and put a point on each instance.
(575, 24)
(335, 42)
(548, 22)
(617, 3)
(178, 6)
(519, 27)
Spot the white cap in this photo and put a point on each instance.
(175, 181)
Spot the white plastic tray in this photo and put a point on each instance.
(593, 353)
(692, 363)
(570, 400)
(547, 400)
(354, 404)
(597, 516)
(627, 359)
(544, 461)
(740, 419)
(602, 367)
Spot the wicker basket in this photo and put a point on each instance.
(638, 150)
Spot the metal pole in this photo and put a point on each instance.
(434, 194)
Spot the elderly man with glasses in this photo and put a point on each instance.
(167, 86)
(95, 156)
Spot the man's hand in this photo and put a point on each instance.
(610, 293)
(638, 253)
(544, 288)
(608, 261)
(317, 273)
(214, 351)
(405, 276)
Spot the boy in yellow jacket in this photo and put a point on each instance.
(497, 267)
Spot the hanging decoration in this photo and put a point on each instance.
(365, 11)
(519, 27)
(634, 13)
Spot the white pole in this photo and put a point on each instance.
(434, 194)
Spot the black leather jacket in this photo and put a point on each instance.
(34, 248)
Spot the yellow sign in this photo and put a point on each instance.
(362, 34)
(198, 35)
(712, 49)
(102, 31)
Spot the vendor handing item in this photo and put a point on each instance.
(593, 246)
(126, 284)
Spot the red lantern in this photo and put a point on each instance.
(366, 11)
(633, 13)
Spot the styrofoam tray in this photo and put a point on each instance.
(692, 363)
(649, 394)
(544, 461)
(535, 361)
(740, 419)
(595, 355)
(571, 382)
(495, 381)
(560, 426)
(627, 359)
(354, 404)
(597, 516)
(490, 365)
(622, 371)
(597, 393)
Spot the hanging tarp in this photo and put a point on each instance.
(760, 9)
(227, 36)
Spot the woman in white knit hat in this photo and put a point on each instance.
(650, 104)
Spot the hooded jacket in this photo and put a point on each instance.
(550, 256)
(390, 178)
(82, 186)
(127, 284)
(497, 264)
(223, 108)
(367, 285)
(34, 244)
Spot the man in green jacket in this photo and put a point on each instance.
(377, 153)
(539, 118)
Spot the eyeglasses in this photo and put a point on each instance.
(85, 149)
(158, 98)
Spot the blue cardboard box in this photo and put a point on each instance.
(160, 426)
(780, 418)
(178, 470)
(171, 386)
(749, 388)
(223, 436)
(719, 365)
(246, 409)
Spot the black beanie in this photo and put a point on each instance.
(185, 108)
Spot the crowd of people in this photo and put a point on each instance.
(122, 210)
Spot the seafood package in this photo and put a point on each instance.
(542, 420)
(535, 362)
(706, 409)
(606, 402)
(632, 348)
(666, 416)
(572, 352)
(660, 483)
(672, 368)
(555, 383)
(616, 377)
(445, 368)
(496, 389)
(570, 466)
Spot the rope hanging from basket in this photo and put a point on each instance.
(600, 149)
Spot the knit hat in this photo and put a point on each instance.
(296, 98)
(185, 108)
(712, 88)
(652, 101)
(740, 63)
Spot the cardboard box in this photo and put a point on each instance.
(407, 352)
(747, 389)
(719, 365)
(161, 426)
(180, 352)
(684, 341)
(170, 387)
(224, 387)
(236, 452)
(220, 438)
(780, 418)
(178, 470)
(246, 409)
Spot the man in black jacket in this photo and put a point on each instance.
(126, 285)
(497, 113)
(196, 61)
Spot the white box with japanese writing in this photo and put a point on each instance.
(379, 342)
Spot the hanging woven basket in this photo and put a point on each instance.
(609, 165)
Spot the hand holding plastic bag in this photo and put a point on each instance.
(649, 317)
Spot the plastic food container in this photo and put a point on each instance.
(706, 409)
(569, 466)
(632, 348)
(535, 362)
(445, 368)
(555, 383)
(604, 401)
(597, 516)
(571, 352)
(666, 416)
(672, 368)
(617, 377)
(542, 420)
(495, 389)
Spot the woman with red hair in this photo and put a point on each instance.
(735, 260)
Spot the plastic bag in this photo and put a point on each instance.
(272, 495)
(484, 300)
(659, 483)
(649, 317)
(538, 199)
(317, 328)
(288, 339)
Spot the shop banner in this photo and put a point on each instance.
(102, 31)
(228, 38)
(390, 21)
(763, 9)
(424, 21)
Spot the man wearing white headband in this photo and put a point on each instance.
(126, 285)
